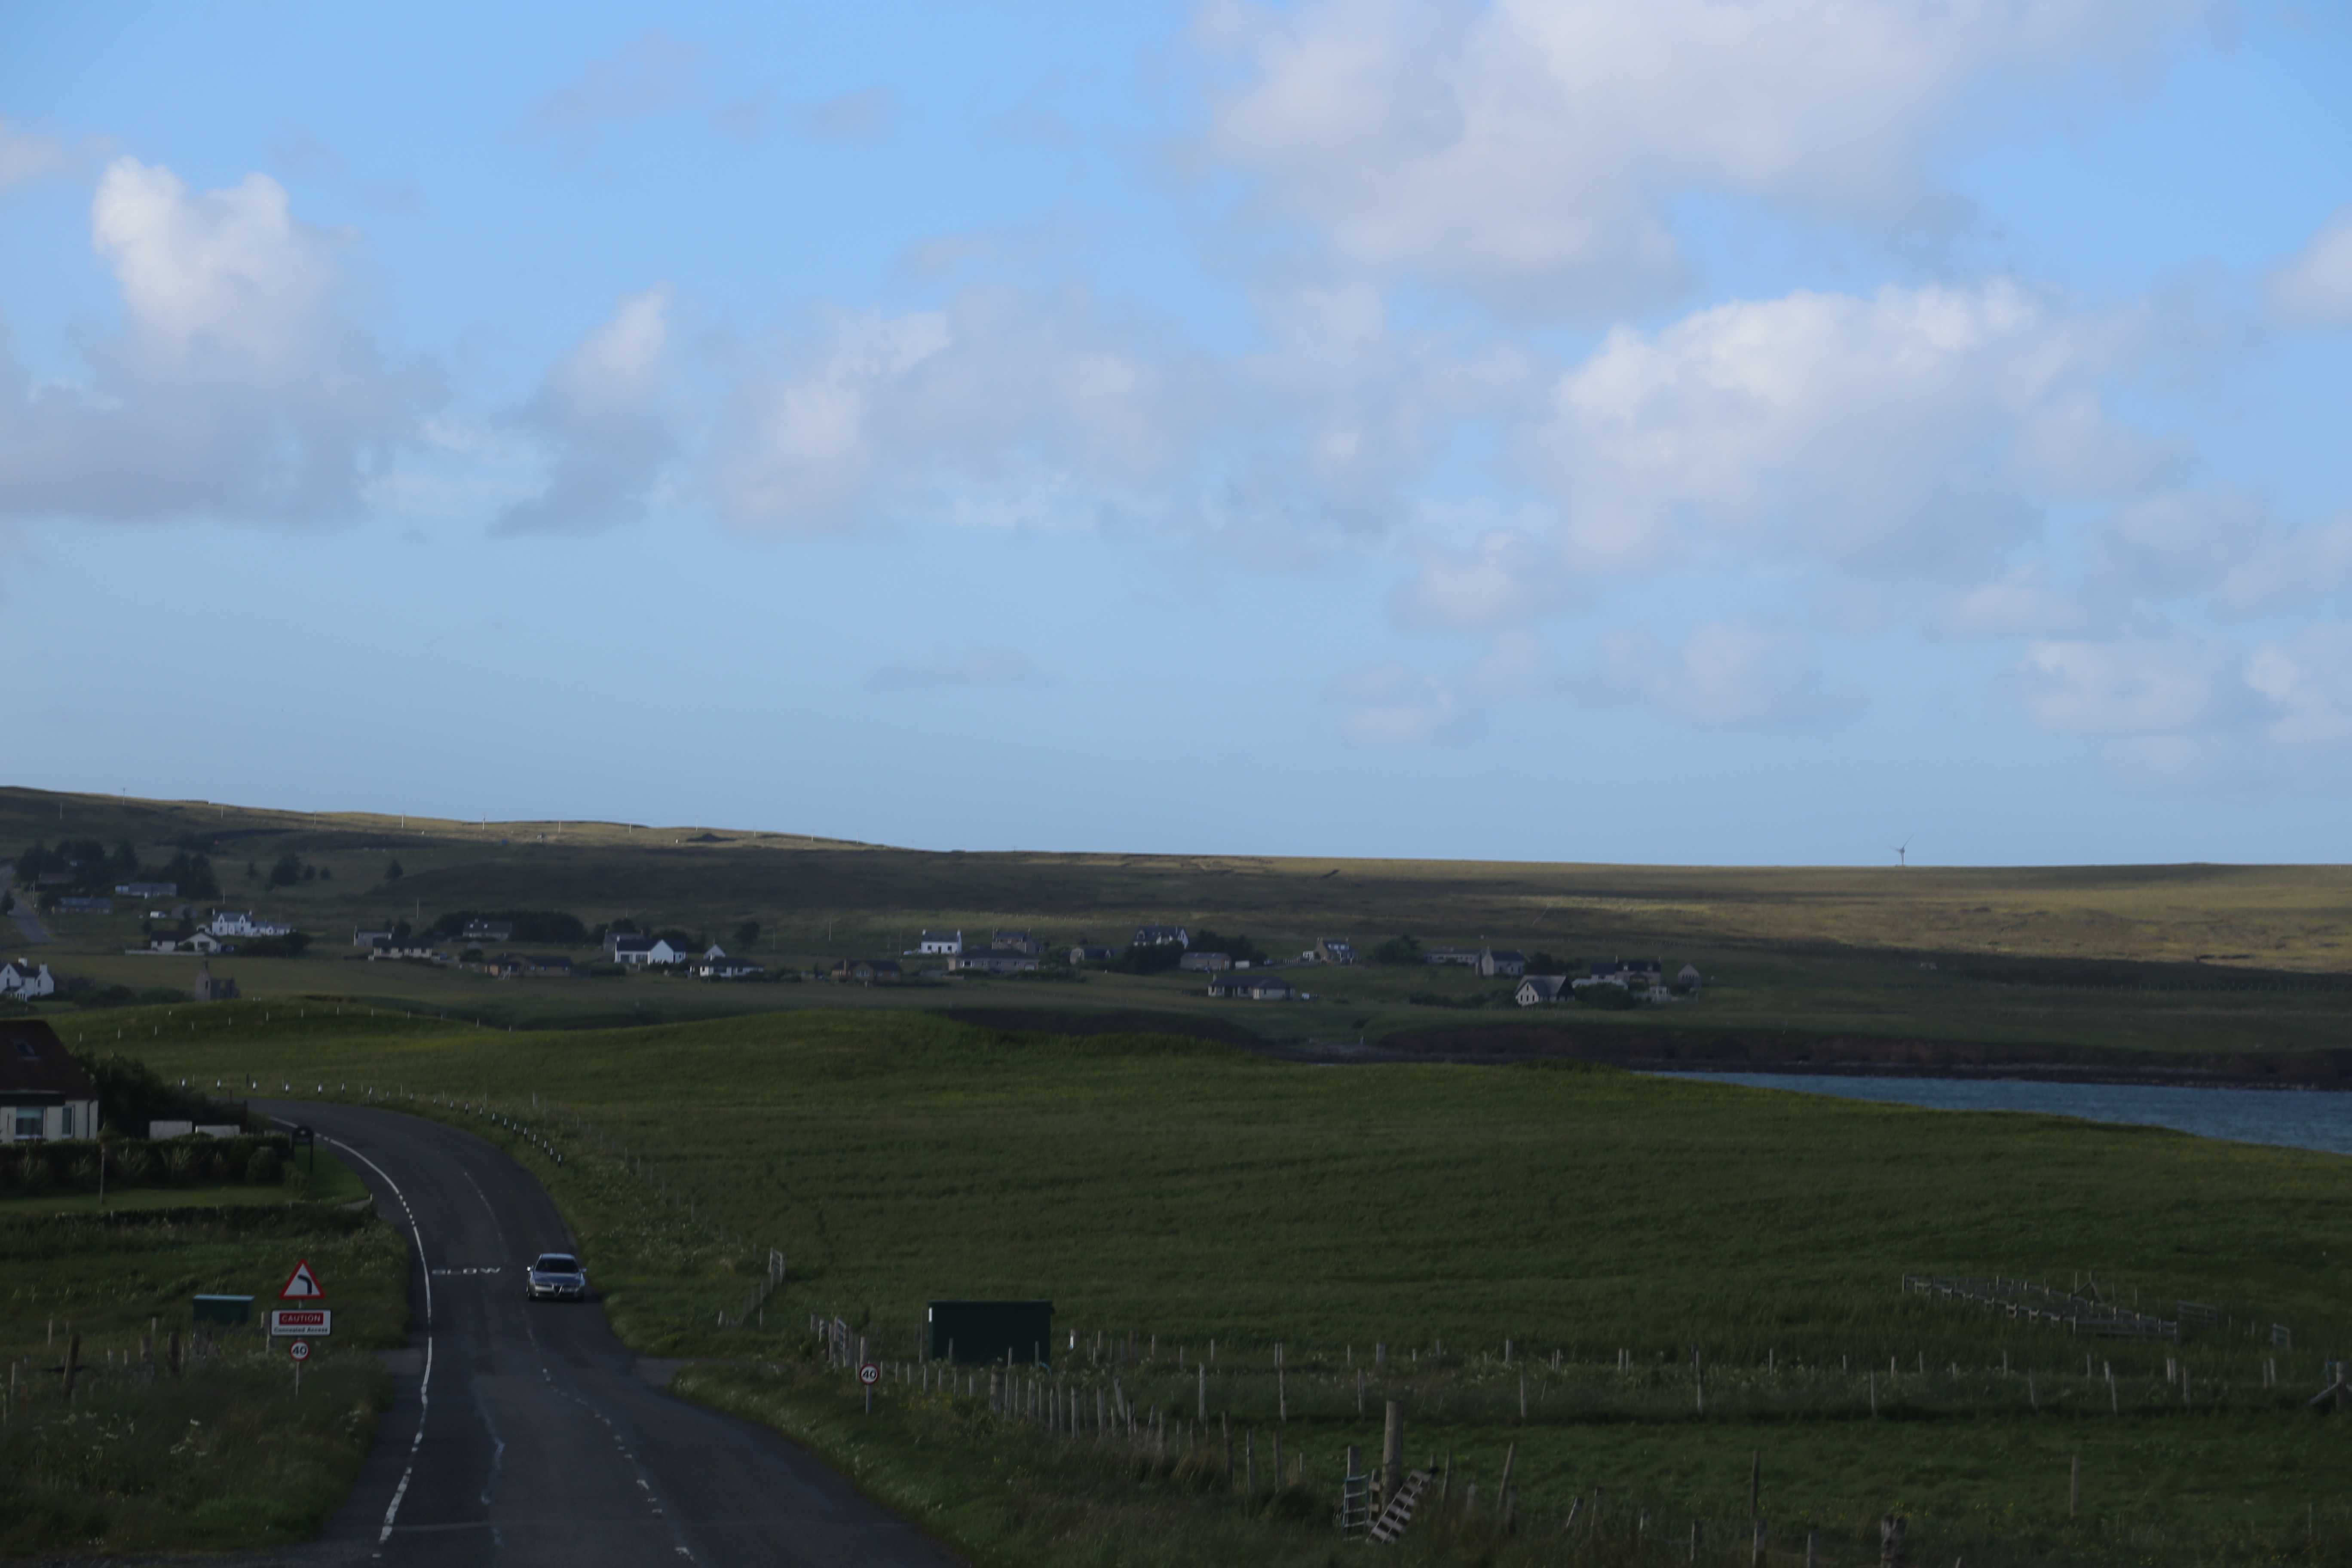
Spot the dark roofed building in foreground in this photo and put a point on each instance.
(44, 1093)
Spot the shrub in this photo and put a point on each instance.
(1608, 996)
(181, 1163)
(31, 1169)
(262, 1167)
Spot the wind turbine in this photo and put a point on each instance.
(1901, 859)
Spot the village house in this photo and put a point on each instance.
(203, 943)
(1332, 950)
(530, 966)
(717, 965)
(937, 943)
(1161, 936)
(85, 906)
(147, 889)
(241, 922)
(362, 936)
(868, 971)
(479, 933)
(1500, 960)
(636, 952)
(995, 961)
(1538, 988)
(417, 947)
(1205, 963)
(1688, 978)
(21, 981)
(1019, 941)
(44, 1093)
(1464, 955)
(1634, 973)
(1257, 985)
(1084, 953)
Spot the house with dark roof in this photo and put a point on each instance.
(992, 961)
(1539, 988)
(1019, 941)
(1161, 936)
(1205, 963)
(530, 966)
(1332, 950)
(1634, 973)
(868, 971)
(479, 932)
(1500, 960)
(1465, 955)
(44, 1093)
(636, 952)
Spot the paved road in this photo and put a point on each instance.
(524, 1433)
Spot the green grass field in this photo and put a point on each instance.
(218, 1452)
(2213, 962)
(1183, 1193)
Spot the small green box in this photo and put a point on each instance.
(224, 1311)
(980, 1333)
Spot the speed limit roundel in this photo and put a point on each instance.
(869, 1374)
(299, 1349)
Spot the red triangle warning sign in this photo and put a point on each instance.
(301, 1285)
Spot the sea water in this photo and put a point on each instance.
(2295, 1119)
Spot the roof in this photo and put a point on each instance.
(34, 1061)
(633, 944)
(1508, 954)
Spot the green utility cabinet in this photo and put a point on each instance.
(979, 1333)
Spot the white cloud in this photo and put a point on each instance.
(1000, 390)
(1390, 705)
(2313, 287)
(238, 381)
(2224, 546)
(603, 414)
(859, 116)
(650, 74)
(2025, 602)
(2174, 683)
(1508, 578)
(980, 666)
(1896, 432)
(26, 157)
(1528, 151)
(1733, 674)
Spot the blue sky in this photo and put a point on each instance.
(1698, 430)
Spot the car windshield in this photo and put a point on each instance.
(557, 1263)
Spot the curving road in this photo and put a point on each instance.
(524, 1433)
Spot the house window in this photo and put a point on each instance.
(28, 1124)
(65, 1122)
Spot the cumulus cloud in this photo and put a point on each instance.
(1528, 150)
(26, 157)
(1390, 705)
(853, 116)
(1899, 431)
(240, 380)
(2313, 287)
(603, 412)
(2025, 602)
(1733, 674)
(980, 666)
(1058, 398)
(651, 74)
(2225, 546)
(1507, 579)
(2170, 684)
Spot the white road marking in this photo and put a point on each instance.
(425, 1384)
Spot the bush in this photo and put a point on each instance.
(1397, 949)
(1608, 996)
(263, 1167)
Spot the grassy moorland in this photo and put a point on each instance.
(212, 1449)
(1169, 1194)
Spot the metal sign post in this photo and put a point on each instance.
(300, 1351)
(869, 1374)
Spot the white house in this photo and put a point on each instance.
(717, 965)
(1538, 988)
(1160, 936)
(204, 943)
(1505, 961)
(21, 981)
(241, 922)
(147, 889)
(636, 952)
(949, 943)
(1332, 950)
(44, 1093)
(1258, 986)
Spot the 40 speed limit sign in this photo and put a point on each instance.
(869, 1374)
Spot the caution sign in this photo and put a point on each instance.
(303, 1285)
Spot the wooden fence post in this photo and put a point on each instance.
(1392, 1452)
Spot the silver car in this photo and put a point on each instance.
(556, 1276)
